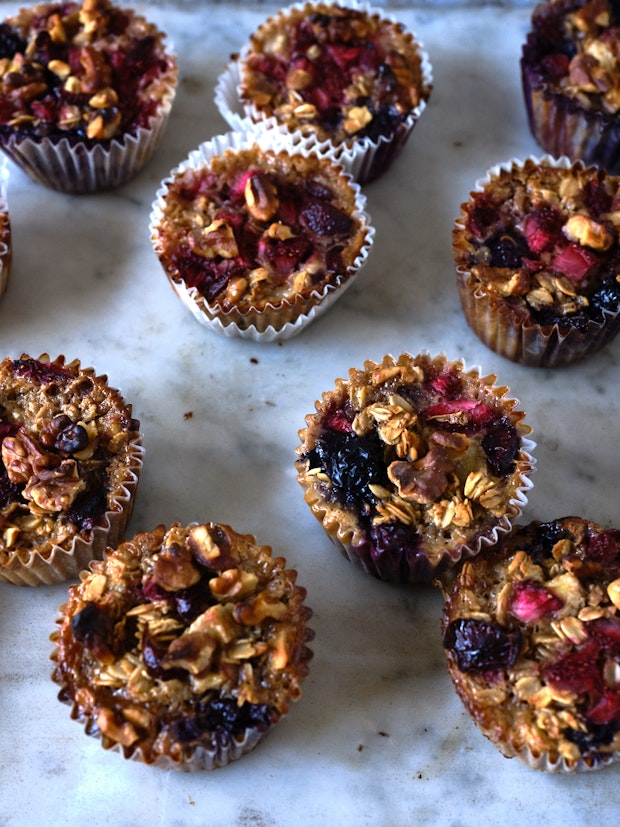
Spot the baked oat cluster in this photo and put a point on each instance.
(184, 646)
(343, 72)
(583, 51)
(544, 239)
(254, 228)
(532, 636)
(70, 459)
(87, 71)
(413, 462)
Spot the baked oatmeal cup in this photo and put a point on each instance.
(343, 75)
(531, 631)
(570, 69)
(537, 256)
(71, 456)
(184, 647)
(86, 90)
(256, 238)
(412, 464)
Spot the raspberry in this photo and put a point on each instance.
(543, 229)
(531, 601)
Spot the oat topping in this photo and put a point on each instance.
(583, 59)
(532, 632)
(87, 71)
(344, 73)
(544, 240)
(181, 638)
(66, 442)
(253, 228)
(421, 455)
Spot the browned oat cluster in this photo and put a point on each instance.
(71, 456)
(184, 647)
(532, 634)
(88, 70)
(413, 462)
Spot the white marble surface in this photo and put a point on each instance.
(379, 737)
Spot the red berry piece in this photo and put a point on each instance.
(543, 229)
(607, 709)
(606, 631)
(577, 671)
(575, 262)
(604, 547)
(324, 219)
(337, 420)
(39, 372)
(531, 600)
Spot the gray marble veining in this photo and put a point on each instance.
(379, 737)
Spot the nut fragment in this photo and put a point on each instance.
(261, 196)
(590, 233)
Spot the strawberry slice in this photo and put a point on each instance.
(577, 671)
(575, 262)
(531, 601)
(607, 709)
(542, 229)
(461, 412)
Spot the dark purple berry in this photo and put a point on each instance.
(222, 715)
(351, 462)
(501, 445)
(507, 249)
(479, 646)
(10, 41)
(39, 372)
(72, 439)
(325, 219)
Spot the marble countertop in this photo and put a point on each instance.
(379, 736)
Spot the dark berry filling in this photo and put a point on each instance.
(479, 646)
(222, 715)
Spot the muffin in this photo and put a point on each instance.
(257, 241)
(537, 259)
(345, 74)
(570, 67)
(71, 458)
(532, 637)
(183, 647)
(85, 93)
(414, 463)
(6, 245)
